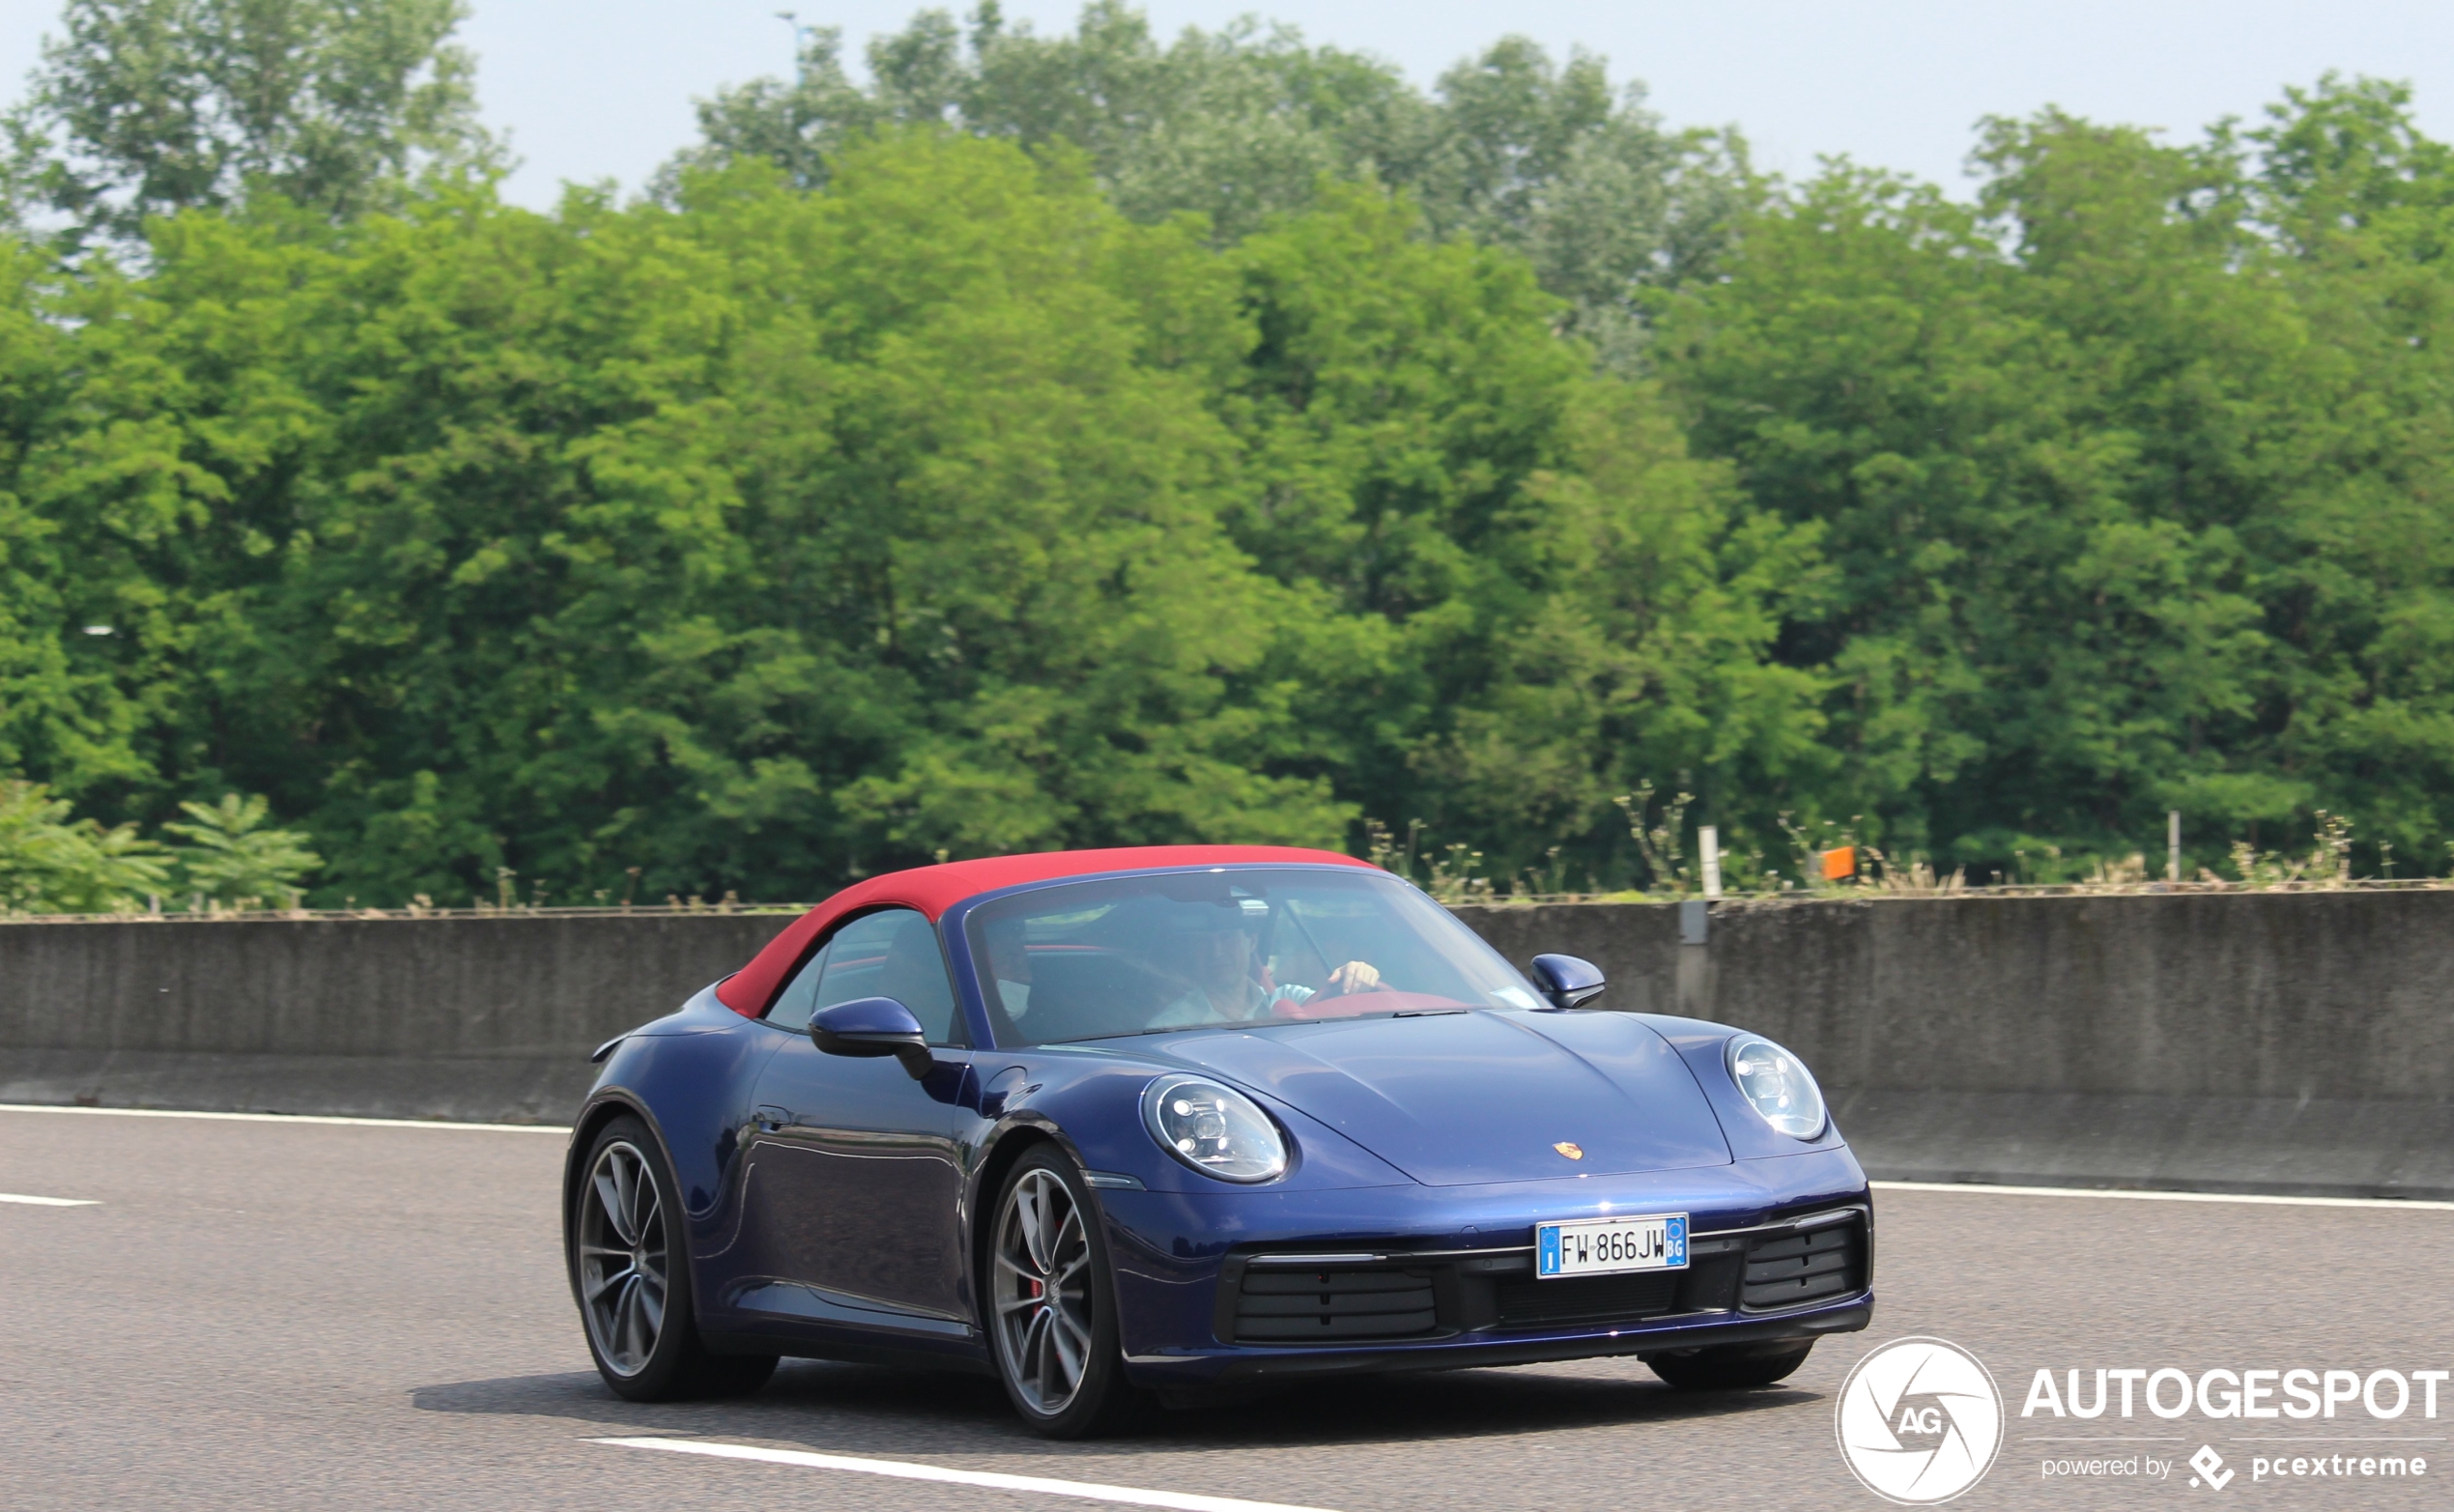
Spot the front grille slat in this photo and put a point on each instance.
(1599, 1299)
(1345, 1282)
(1795, 1293)
(1342, 1306)
(1798, 1269)
(1338, 1327)
(1791, 1269)
(1365, 1304)
(1814, 1242)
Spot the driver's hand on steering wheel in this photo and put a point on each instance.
(1355, 976)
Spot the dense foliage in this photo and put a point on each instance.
(1245, 124)
(2134, 479)
(1075, 441)
(147, 107)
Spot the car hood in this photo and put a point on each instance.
(1460, 1099)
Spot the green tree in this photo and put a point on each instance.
(753, 543)
(50, 863)
(232, 859)
(1532, 598)
(2357, 560)
(2021, 629)
(147, 108)
(1581, 179)
(1237, 124)
(1246, 123)
(1634, 648)
(2132, 479)
(769, 537)
(992, 460)
(64, 712)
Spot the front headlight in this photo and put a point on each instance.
(1775, 1083)
(1214, 1129)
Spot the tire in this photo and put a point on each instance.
(630, 1270)
(1731, 1367)
(1049, 1300)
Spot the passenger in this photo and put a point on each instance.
(1231, 984)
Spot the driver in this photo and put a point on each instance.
(1231, 982)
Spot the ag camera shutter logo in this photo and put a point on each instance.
(1920, 1421)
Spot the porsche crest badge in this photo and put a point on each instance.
(1573, 1150)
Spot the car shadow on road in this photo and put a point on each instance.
(873, 1410)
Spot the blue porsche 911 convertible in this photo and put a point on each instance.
(1123, 1123)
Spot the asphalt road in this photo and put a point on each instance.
(296, 1314)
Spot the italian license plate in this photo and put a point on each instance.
(1605, 1246)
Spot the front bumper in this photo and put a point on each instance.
(1426, 1278)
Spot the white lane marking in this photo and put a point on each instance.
(292, 1118)
(2403, 1204)
(1182, 1501)
(51, 1202)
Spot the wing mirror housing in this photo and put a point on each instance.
(869, 1027)
(1568, 981)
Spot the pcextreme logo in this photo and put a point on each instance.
(1920, 1421)
(2209, 1466)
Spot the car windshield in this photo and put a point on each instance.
(1190, 950)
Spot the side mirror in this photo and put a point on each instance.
(1568, 981)
(869, 1027)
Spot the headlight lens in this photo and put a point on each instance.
(1775, 1083)
(1216, 1130)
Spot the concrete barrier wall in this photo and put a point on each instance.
(480, 1018)
(2263, 1041)
(2266, 1042)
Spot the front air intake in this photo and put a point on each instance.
(1333, 1306)
(1598, 1298)
(1794, 1270)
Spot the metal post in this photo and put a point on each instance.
(1708, 849)
(2173, 846)
(793, 18)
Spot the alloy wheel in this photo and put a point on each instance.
(622, 1258)
(1042, 1291)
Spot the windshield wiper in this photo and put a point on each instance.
(1429, 1012)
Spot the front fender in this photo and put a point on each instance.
(1089, 1105)
(1700, 1045)
(1095, 1098)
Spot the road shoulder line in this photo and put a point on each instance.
(289, 1118)
(2127, 1194)
(902, 1469)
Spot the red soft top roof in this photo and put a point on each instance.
(932, 889)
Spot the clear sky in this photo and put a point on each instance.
(596, 89)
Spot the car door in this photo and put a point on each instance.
(853, 1181)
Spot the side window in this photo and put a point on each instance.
(890, 954)
(799, 998)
